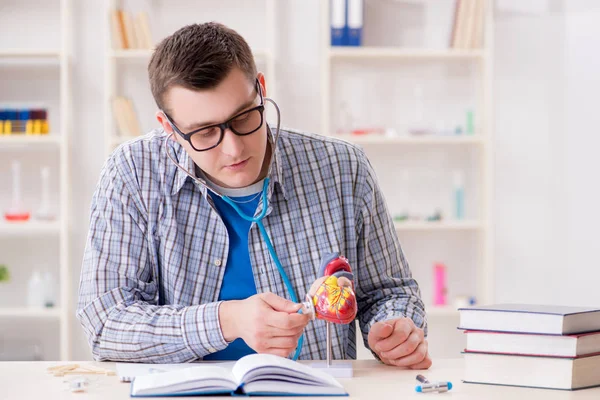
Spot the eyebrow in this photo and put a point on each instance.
(197, 125)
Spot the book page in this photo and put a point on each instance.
(127, 372)
(194, 379)
(256, 367)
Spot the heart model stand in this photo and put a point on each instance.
(331, 298)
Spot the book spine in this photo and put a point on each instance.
(355, 22)
(117, 37)
(338, 22)
(139, 32)
(145, 26)
(133, 120)
(129, 30)
(119, 115)
(122, 29)
(469, 24)
(454, 23)
(477, 42)
(461, 9)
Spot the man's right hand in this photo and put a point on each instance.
(267, 323)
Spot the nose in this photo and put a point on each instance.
(232, 144)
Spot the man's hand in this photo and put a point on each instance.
(399, 342)
(267, 323)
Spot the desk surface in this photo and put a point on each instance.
(372, 381)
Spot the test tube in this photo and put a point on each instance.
(44, 212)
(17, 211)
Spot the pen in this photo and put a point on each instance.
(426, 386)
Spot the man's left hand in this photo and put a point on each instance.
(399, 342)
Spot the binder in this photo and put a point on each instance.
(338, 22)
(355, 22)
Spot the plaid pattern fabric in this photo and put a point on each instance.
(157, 249)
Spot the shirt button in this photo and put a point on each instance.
(218, 263)
(212, 350)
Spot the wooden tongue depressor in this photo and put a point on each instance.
(76, 369)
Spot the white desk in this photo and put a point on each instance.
(372, 381)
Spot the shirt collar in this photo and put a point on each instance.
(184, 160)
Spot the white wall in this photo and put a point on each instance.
(530, 160)
(581, 143)
(546, 86)
(547, 123)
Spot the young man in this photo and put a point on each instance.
(172, 273)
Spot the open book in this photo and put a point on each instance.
(254, 375)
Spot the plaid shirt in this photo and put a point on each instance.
(157, 249)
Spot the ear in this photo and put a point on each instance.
(162, 119)
(263, 84)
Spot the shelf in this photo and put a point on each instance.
(27, 140)
(403, 54)
(30, 312)
(438, 226)
(413, 140)
(30, 227)
(30, 53)
(132, 53)
(441, 311)
(147, 53)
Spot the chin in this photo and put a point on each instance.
(242, 180)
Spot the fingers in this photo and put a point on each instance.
(378, 332)
(286, 342)
(405, 346)
(285, 321)
(278, 352)
(277, 332)
(279, 303)
(400, 343)
(425, 364)
(280, 346)
(402, 330)
(414, 359)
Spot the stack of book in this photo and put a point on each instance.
(127, 121)
(346, 22)
(130, 32)
(468, 26)
(551, 347)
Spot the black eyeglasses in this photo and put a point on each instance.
(211, 136)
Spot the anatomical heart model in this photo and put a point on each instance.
(332, 295)
(331, 298)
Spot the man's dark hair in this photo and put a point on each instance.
(198, 57)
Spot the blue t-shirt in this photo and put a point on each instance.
(238, 281)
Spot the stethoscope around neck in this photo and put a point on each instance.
(251, 218)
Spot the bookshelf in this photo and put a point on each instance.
(118, 60)
(30, 53)
(30, 228)
(475, 232)
(439, 226)
(30, 312)
(21, 61)
(370, 139)
(341, 53)
(30, 142)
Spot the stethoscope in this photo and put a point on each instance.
(258, 219)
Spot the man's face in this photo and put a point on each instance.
(237, 161)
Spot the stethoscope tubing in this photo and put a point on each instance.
(258, 219)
